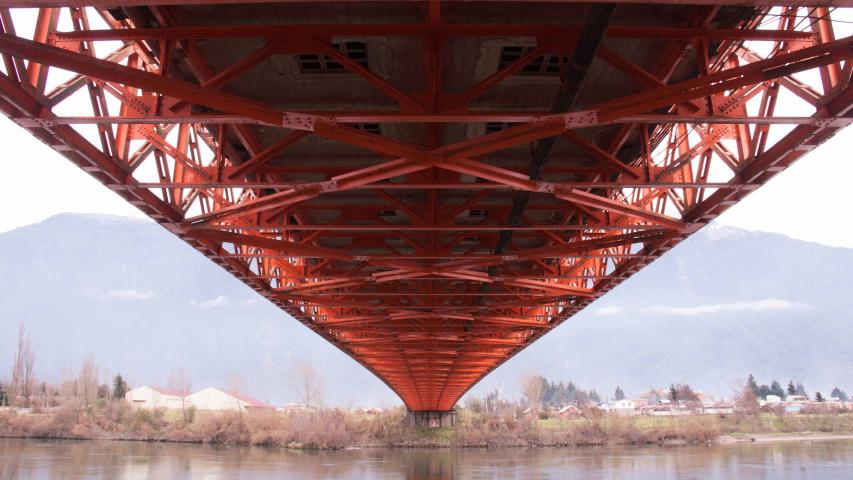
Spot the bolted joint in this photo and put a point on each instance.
(546, 187)
(582, 118)
(329, 186)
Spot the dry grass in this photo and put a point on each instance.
(592, 430)
(822, 422)
(325, 429)
(334, 429)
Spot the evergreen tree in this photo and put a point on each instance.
(593, 395)
(619, 395)
(763, 391)
(673, 393)
(818, 397)
(801, 390)
(792, 390)
(547, 392)
(4, 395)
(571, 392)
(839, 394)
(776, 389)
(750, 382)
(120, 387)
(559, 397)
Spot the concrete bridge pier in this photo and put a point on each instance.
(430, 419)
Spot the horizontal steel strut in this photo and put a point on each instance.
(430, 196)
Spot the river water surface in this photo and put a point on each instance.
(39, 459)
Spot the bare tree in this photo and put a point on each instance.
(22, 370)
(180, 382)
(87, 382)
(308, 384)
(746, 402)
(533, 387)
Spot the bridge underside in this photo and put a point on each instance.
(430, 186)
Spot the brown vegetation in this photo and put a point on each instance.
(331, 429)
(593, 429)
(334, 429)
(323, 429)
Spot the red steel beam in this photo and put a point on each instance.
(422, 297)
(111, 3)
(419, 29)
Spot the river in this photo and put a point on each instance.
(42, 459)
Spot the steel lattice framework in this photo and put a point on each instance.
(429, 186)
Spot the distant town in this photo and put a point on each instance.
(547, 399)
(547, 413)
(541, 396)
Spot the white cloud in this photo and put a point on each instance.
(764, 305)
(219, 301)
(609, 311)
(130, 294)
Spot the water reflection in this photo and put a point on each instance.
(38, 459)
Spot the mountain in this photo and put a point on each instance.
(723, 304)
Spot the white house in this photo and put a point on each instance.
(212, 398)
(155, 397)
(622, 407)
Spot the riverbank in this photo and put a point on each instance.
(336, 429)
(783, 437)
(331, 429)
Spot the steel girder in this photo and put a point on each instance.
(429, 299)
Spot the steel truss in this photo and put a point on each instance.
(433, 302)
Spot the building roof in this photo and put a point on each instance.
(166, 391)
(249, 401)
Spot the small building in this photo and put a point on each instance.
(212, 398)
(719, 408)
(656, 410)
(569, 411)
(155, 397)
(622, 407)
(773, 399)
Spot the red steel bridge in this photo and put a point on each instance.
(430, 186)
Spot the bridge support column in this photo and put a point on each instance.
(430, 419)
